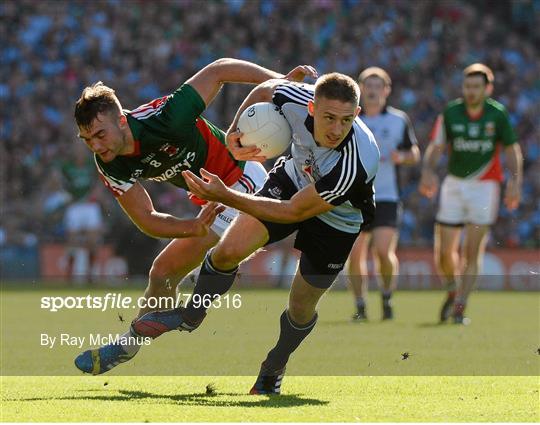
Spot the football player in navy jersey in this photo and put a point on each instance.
(323, 192)
(397, 142)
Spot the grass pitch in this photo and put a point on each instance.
(453, 373)
(304, 399)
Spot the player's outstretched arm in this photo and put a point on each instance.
(514, 162)
(429, 181)
(138, 206)
(304, 204)
(209, 80)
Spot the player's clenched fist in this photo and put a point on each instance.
(512, 195)
(429, 184)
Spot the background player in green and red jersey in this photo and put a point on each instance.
(474, 129)
(157, 141)
(83, 219)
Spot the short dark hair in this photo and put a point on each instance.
(375, 71)
(479, 69)
(337, 86)
(96, 99)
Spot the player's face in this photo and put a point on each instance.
(374, 91)
(104, 136)
(332, 120)
(475, 90)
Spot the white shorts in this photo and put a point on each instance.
(251, 181)
(83, 216)
(466, 201)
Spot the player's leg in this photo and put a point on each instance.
(296, 323)
(76, 254)
(447, 261)
(92, 241)
(93, 233)
(216, 276)
(177, 259)
(387, 266)
(482, 197)
(242, 238)
(76, 258)
(174, 262)
(218, 271)
(303, 299)
(189, 318)
(324, 252)
(357, 272)
(449, 224)
(474, 247)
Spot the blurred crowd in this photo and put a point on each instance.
(51, 50)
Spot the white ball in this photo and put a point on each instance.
(264, 126)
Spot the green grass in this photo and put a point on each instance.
(304, 399)
(487, 371)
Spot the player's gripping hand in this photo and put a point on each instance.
(239, 152)
(206, 217)
(299, 73)
(210, 187)
(429, 184)
(512, 195)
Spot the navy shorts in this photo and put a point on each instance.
(387, 214)
(325, 247)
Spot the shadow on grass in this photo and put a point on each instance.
(361, 323)
(346, 322)
(434, 325)
(195, 399)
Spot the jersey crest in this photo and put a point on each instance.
(169, 149)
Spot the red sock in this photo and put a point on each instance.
(459, 308)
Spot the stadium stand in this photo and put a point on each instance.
(51, 50)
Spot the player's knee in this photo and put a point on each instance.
(384, 254)
(445, 261)
(300, 311)
(227, 256)
(160, 272)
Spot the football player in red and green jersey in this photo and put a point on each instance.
(474, 130)
(83, 219)
(157, 141)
